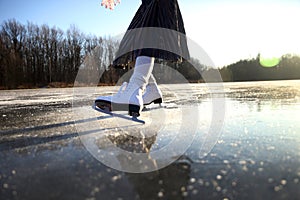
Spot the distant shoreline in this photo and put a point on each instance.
(65, 85)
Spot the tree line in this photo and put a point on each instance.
(38, 56)
(288, 68)
(34, 56)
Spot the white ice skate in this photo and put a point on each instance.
(152, 93)
(130, 96)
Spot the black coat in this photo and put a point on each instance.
(157, 30)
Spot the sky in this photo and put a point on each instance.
(227, 30)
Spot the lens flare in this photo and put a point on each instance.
(269, 61)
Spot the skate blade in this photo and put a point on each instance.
(103, 106)
(160, 106)
(131, 118)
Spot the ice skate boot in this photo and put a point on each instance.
(129, 99)
(152, 93)
(130, 96)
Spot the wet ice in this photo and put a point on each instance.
(255, 157)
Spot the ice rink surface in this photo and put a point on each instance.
(213, 141)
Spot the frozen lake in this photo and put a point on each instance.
(230, 141)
